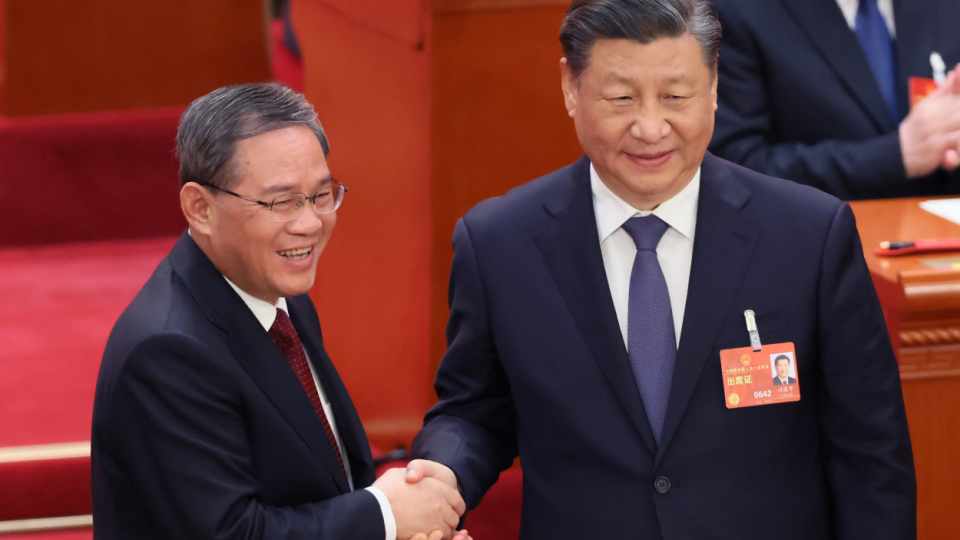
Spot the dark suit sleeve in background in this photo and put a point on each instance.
(472, 429)
(180, 426)
(865, 440)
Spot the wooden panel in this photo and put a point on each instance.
(406, 21)
(922, 310)
(498, 119)
(934, 361)
(453, 6)
(372, 93)
(933, 411)
(88, 55)
(3, 56)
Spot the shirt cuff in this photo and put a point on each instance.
(389, 522)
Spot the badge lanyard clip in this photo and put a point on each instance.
(752, 328)
(939, 68)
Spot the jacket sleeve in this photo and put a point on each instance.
(180, 430)
(472, 429)
(746, 131)
(866, 443)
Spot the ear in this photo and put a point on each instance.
(195, 203)
(714, 84)
(569, 85)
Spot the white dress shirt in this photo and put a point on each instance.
(674, 252)
(849, 9)
(266, 314)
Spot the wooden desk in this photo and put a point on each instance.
(921, 305)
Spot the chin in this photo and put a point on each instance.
(295, 287)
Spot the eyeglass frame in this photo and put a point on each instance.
(313, 200)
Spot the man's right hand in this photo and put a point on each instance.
(423, 507)
(930, 134)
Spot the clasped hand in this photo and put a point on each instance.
(930, 134)
(425, 501)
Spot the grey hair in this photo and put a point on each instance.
(642, 21)
(213, 124)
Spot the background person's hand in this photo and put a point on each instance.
(427, 506)
(951, 158)
(930, 134)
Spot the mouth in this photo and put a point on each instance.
(651, 159)
(296, 254)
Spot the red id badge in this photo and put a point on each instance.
(752, 378)
(920, 88)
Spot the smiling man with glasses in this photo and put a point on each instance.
(218, 414)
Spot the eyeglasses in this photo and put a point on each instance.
(287, 207)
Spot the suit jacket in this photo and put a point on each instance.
(537, 366)
(798, 100)
(202, 430)
(790, 380)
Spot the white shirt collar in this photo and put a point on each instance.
(263, 311)
(849, 9)
(679, 212)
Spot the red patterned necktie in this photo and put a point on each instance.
(287, 340)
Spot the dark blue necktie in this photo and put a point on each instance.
(874, 38)
(651, 341)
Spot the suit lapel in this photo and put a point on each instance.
(352, 435)
(723, 246)
(571, 249)
(254, 350)
(824, 24)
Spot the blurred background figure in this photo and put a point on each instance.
(817, 91)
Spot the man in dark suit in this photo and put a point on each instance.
(589, 308)
(782, 367)
(816, 91)
(218, 414)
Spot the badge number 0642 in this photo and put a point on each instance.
(763, 377)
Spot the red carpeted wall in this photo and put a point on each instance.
(90, 176)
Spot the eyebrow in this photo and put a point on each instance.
(679, 79)
(620, 78)
(617, 77)
(288, 188)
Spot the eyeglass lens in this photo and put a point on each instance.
(288, 207)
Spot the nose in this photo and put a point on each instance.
(307, 223)
(649, 124)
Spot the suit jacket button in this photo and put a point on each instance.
(662, 484)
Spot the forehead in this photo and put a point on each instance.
(624, 60)
(286, 158)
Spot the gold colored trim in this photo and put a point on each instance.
(46, 524)
(934, 361)
(12, 454)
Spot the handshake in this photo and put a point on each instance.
(425, 500)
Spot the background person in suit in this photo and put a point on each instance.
(589, 308)
(218, 414)
(815, 91)
(782, 365)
